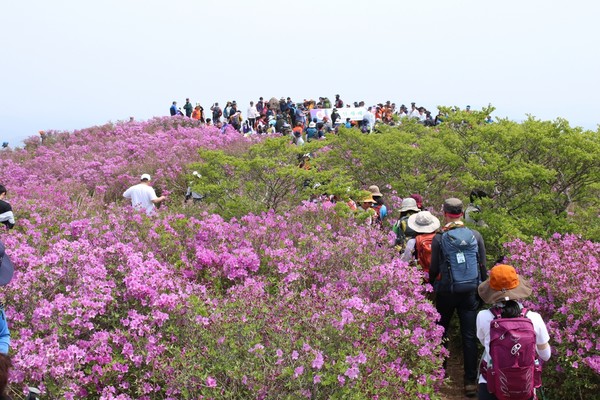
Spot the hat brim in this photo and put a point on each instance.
(376, 194)
(7, 270)
(412, 224)
(409, 208)
(491, 296)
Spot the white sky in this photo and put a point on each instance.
(69, 64)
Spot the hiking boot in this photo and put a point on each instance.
(470, 389)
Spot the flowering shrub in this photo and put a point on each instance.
(564, 272)
(108, 303)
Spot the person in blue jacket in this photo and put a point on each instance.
(6, 273)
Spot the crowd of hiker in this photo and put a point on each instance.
(289, 117)
(452, 259)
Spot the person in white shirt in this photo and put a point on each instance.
(252, 115)
(370, 118)
(504, 288)
(143, 196)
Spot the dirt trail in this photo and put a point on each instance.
(452, 388)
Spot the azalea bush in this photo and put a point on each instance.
(564, 272)
(257, 292)
(174, 307)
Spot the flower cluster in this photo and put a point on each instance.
(564, 272)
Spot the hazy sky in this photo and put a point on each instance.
(69, 64)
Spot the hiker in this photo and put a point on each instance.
(503, 290)
(252, 115)
(419, 199)
(339, 103)
(173, 109)
(311, 132)
(190, 194)
(457, 268)
(6, 213)
(367, 205)
(426, 226)
(226, 111)
(473, 209)
(198, 113)
(143, 196)
(297, 139)
(335, 116)
(401, 229)
(188, 108)
(216, 112)
(7, 270)
(380, 204)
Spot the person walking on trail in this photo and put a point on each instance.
(367, 205)
(403, 232)
(418, 249)
(380, 206)
(6, 213)
(143, 196)
(504, 290)
(457, 268)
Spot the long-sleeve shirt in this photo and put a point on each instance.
(4, 333)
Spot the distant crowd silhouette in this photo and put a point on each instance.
(286, 116)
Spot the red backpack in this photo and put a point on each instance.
(514, 371)
(423, 248)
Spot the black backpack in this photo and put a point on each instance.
(403, 231)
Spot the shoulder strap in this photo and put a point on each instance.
(524, 312)
(496, 312)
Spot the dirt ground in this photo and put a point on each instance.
(453, 388)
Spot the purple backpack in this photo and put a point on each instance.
(514, 371)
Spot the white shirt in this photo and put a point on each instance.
(370, 117)
(483, 332)
(409, 250)
(141, 196)
(252, 112)
(414, 114)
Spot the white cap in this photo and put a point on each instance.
(146, 177)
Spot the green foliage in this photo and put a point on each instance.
(541, 176)
(267, 176)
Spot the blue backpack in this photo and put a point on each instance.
(459, 245)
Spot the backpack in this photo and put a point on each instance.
(423, 251)
(403, 231)
(514, 370)
(459, 245)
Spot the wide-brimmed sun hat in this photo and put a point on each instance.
(409, 204)
(369, 199)
(423, 222)
(504, 284)
(375, 190)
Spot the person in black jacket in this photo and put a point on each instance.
(450, 298)
(6, 214)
